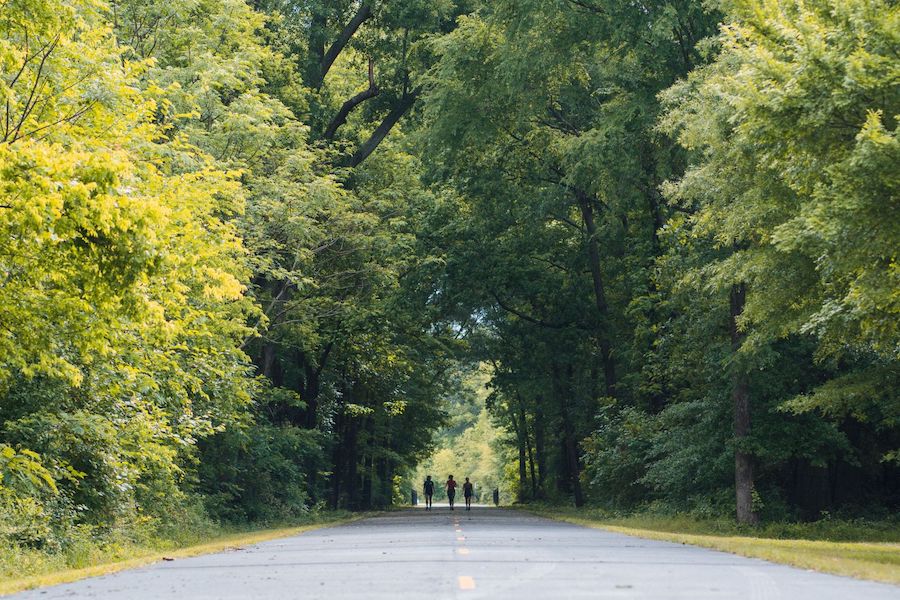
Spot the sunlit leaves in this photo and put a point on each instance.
(794, 128)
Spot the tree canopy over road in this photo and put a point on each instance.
(253, 253)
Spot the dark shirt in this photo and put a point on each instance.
(467, 489)
(429, 488)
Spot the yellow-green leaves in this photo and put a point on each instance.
(23, 469)
(797, 164)
(76, 234)
(122, 276)
(795, 185)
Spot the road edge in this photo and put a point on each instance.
(224, 543)
(732, 545)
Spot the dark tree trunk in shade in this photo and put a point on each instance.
(539, 444)
(740, 396)
(399, 109)
(270, 367)
(310, 387)
(311, 396)
(570, 446)
(338, 460)
(520, 445)
(606, 359)
(530, 451)
(368, 464)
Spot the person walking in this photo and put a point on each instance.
(468, 492)
(428, 488)
(451, 490)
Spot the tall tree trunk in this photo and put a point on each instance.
(351, 492)
(520, 443)
(570, 446)
(339, 459)
(388, 483)
(524, 424)
(740, 396)
(316, 49)
(312, 376)
(368, 466)
(311, 388)
(539, 445)
(587, 215)
(270, 366)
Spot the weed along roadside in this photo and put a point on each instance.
(876, 560)
(105, 561)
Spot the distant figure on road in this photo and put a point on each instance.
(468, 490)
(429, 492)
(451, 490)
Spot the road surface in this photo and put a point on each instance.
(486, 553)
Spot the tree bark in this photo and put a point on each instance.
(338, 459)
(328, 58)
(564, 390)
(534, 490)
(316, 50)
(539, 445)
(740, 396)
(341, 117)
(368, 147)
(520, 443)
(311, 387)
(271, 369)
(524, 424)
(587, 215)
(312, 376)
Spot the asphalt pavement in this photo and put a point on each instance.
(486, 553)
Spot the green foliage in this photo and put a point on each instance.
(250, 251)
(794, 125)
(124, 278)
(258, 474)
(600, 215)
(470, 446)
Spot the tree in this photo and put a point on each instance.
(790, 138)
(124, 295)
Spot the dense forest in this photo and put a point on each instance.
(252, 252)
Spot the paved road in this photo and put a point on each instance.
(486, 553)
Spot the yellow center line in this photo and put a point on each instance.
(463, 551)
(466, 582)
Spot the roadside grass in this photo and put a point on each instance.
(24, 569)
(861, 549)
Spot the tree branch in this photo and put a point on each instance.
(31, 101)
(588, 6)
(400, 109)
(325, 353)
(526, 317)
(364, 12)
(341, 117)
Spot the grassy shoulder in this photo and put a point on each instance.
(862, 549)
(23, 570)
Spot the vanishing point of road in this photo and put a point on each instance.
(487, 553)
